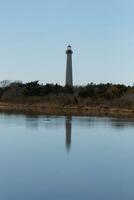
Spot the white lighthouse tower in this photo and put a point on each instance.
(69, 73)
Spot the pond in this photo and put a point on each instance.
(66, 158)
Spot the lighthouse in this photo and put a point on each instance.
(69, 73)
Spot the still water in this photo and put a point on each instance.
(66, 158)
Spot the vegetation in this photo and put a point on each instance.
(108, 95)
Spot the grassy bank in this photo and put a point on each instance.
(56, 109)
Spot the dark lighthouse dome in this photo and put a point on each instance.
(69, 50)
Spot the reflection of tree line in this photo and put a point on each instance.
(35, 121)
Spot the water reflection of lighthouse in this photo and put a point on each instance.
(68, 132)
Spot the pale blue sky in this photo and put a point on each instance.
(34, 35)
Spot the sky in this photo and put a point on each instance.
(34, 35)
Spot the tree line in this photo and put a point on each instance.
(18, 90)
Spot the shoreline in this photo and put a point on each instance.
(55, 109)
